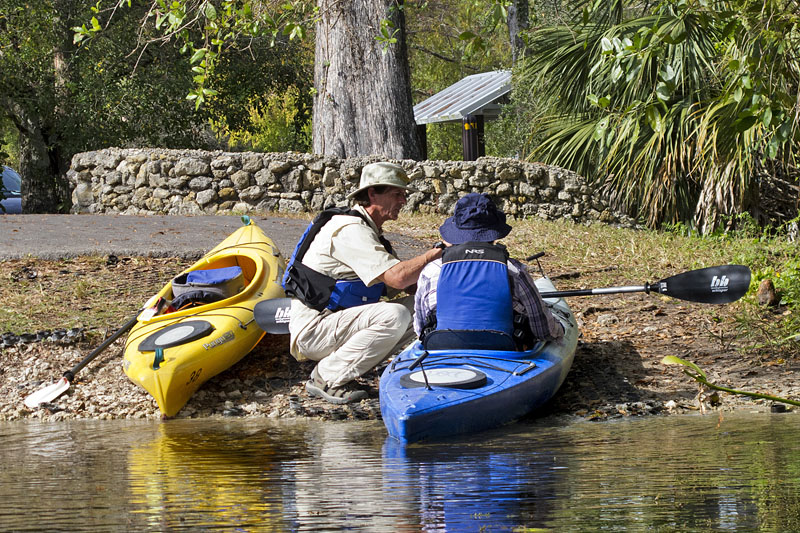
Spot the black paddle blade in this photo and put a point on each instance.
(713, 285)
(273, 315)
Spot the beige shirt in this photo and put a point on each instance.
(345, 248)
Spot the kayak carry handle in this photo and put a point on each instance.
(537, 256)
(418, 360)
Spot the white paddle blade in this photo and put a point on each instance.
(47, 394)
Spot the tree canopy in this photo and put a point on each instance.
(121, 88)
(684, 110)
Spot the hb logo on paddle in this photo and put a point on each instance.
(282, 315)
(719, 284)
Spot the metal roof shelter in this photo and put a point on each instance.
(473, 95)
(469, 101)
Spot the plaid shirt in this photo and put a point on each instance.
(525, 300)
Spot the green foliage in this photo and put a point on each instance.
(206, 31)
(273, 126)
(9, 143)
(461, 37)
(478, 40)
(267, 83)
(692, 370)
(783, 268)
(786, 278)
(111, 98)
(444, 141)
(771, 255)
(514, 133)
(671, 109)
(116, 98)
(387, 35)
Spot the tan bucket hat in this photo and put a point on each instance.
(382, 173)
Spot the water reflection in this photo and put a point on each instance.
(341, 484)
(61, 477)
(711, 473)
(470, 487)
(205, 477)
(286, 477)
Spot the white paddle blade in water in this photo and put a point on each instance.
(47, 394)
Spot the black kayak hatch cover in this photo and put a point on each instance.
(176, 334)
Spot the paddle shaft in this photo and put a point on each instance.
(713, 285)
(602, 290)
(70, 374)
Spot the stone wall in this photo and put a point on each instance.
(186, 182)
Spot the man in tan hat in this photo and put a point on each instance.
(338, 317)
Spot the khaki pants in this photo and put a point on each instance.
(350, 342)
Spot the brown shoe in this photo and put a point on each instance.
(342, 394)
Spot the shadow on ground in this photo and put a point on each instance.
(608, 378)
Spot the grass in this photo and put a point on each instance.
(92, 293)
(86, 292)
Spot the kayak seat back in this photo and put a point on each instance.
(454, 339)
(199, 287)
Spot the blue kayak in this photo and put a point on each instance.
(452, 392)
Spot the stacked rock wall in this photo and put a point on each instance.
(181, 182)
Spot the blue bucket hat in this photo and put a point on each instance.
(475, 218)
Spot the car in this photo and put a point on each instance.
(11, 192)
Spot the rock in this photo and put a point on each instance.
(766, 295)
(607, 319)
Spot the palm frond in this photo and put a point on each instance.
(668, 109)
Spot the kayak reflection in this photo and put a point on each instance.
(471, 487)
(193, 477)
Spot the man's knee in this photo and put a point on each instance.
(395, 317)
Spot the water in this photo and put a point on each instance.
(683, 473)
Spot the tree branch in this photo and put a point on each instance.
(443, 58)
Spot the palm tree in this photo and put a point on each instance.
(660, 107)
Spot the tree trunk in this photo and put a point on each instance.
(63, 50)
(363, 104)
(44, 189)
(42, 160)
(518, 20)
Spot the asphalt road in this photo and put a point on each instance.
(61, 236)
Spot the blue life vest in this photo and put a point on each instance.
(317, 290)
(473, 308)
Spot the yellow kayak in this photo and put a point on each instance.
(173, 349)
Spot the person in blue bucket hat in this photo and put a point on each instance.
(475, 295)
(475, 218)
